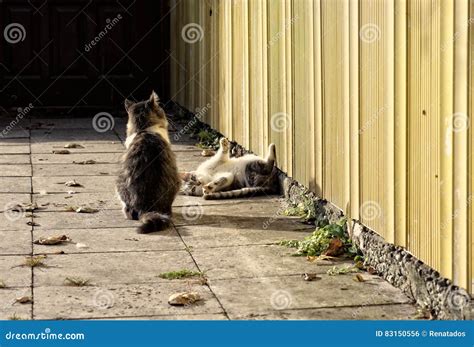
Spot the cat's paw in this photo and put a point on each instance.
(208, 188)
(224, 144)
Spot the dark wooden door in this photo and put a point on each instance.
(79, 54)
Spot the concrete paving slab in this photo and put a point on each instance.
(208, 316)
(376, 312)
(15, 242)
(76, 123)
(57, 202)
(99, 158)
(113, 268)
(68, 135)
(109, 240)
(210, 236)
(73, 220)
(9, 199)
(132, 300)
(263, 295)
(186, 200)
(17, 132)
(15, 221)
(13, 158)
(15, 185)
(189, 161)
(12, 273)
(22, 149)
(47, 170)
(47, 147)
(23, 170)
(255, 261)
(12, 141)
(9, 309)
(55, 184)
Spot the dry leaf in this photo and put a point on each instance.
(311, 258)
(72, 183)
(207, 153)
(358, 278)
(52, 240)
(335, 248)
(371, 270)
(86, 210)
(360, 265)
(73, 145)
(184, 298)
(76, 281)
(310, 277)
(71, 192)
(85, 162)
(2, 284)
(81, 245)
(23, 300)
(423, 313)
(61, 151)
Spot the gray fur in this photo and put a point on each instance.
(148, 180)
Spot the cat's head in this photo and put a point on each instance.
(144, 114)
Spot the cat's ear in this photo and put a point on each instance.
(153, 101)
(128, 104)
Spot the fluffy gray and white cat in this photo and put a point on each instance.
(148, 179)
(223, 177)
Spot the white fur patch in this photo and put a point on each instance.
(129, 139)
(159, 130)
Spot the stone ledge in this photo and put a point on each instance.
(417, 280)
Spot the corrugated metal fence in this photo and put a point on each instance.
(369, 103)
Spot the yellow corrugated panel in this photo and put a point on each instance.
(376, 124)
(424, 144)
(460, 127)
(258, 106)
(352, 210)
(318, 101)
(446, 133)
(279, 107)
(225, 68)
(335, 109)
(240, 72)
(400, 186)
(303, 91)
(471, 151)
(214, 56)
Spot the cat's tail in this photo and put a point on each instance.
(153, 221)
(238, 193)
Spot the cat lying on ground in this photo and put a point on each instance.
(223, 177)
(148, 179)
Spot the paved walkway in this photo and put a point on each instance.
(231, 241)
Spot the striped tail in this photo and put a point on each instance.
(238, 193)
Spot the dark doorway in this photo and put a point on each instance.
(82, 54)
